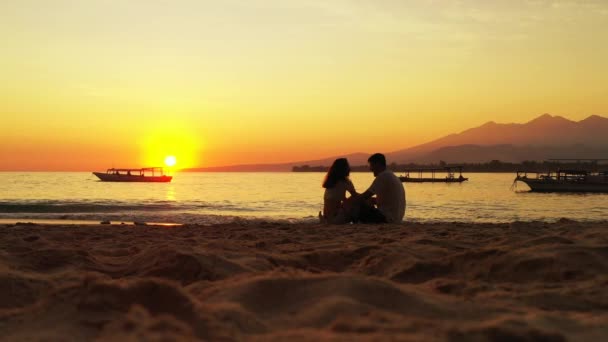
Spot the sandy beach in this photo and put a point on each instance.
(273, 281)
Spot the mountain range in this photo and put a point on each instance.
(543, 138)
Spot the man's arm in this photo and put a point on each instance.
(370, 192)
(366, 195)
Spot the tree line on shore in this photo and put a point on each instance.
(491, 166)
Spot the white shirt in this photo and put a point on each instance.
(390, 195)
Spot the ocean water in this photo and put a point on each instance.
(209, 198)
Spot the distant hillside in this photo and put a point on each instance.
(510, 153)
(542, 138)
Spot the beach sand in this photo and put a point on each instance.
(274, 281)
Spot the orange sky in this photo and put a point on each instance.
(92, 84)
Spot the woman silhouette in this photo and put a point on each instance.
(336, 208)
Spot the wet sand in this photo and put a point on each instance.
(273, 281)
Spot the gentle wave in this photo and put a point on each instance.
(110, 207)
(158, 217)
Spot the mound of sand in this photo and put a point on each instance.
(270, 281)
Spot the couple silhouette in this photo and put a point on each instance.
(383, 202)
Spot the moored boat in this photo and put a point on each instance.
(147, 174)
(564, 181)
(450, 176)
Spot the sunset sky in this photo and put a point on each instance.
(91, 84)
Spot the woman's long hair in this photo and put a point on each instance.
(339, 170)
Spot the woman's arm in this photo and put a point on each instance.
(350, 187)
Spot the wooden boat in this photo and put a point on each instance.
(564, 181)
(449, 178)
(147, 174)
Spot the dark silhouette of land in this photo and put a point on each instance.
(543, 138)
(492, 166)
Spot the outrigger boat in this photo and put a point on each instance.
(565, 180)
(147, 174)
(449, 178)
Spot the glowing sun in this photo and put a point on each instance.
(170, 161)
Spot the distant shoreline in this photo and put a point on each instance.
(495, 166)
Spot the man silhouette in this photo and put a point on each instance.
(389, 191)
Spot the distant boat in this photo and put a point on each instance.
(565, 180)
(448, 178)
(147, 174)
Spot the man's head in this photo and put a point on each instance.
(377, 163)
